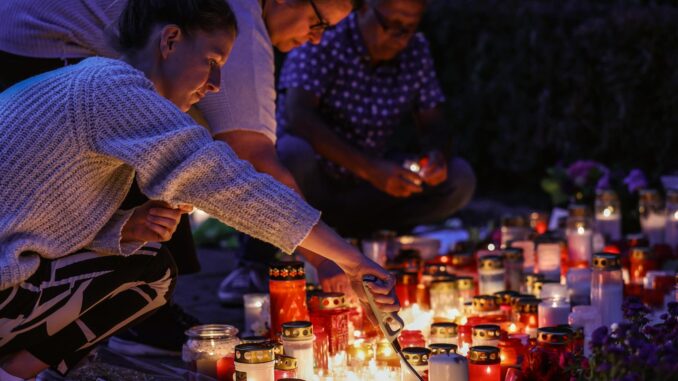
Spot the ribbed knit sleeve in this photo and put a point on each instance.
(177, 161)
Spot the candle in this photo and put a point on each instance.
(386, 356)
(652, 215)
(530, 280)
(418, 358)
(411, 338)
(443, 333)
(484, 364)
(607, 288)
(297, 338)
(329, 311)
(486, 305)
(579, 286)
(465, 290)
(257, 314)
(528, 253)
(209, 350)
(579, 242)
(491, 274)
(527, 314)
(672, 218)
(545, 358)
(375, 249)
(608, 214)
(254, 362)
(548, 259)
(442, 349)
(448, 367)
(287, 285)
(406, 288)
(444, 296)
(513, 228)
(285, 367)
(486, 334)
(513, 261)
(587, 317)
(360, 353)
(554, 308)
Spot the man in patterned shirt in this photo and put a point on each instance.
(340, 102)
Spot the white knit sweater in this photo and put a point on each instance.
(71, 141)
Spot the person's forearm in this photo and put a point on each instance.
(328, 244)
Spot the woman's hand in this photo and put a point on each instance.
(154, 221)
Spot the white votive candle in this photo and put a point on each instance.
(448, 367)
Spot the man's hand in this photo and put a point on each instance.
(154, 221)
(435, 172)
(393, 179)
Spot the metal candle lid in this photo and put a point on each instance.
(491, 262)
(485, 303)
(442, 349)
(528, 305)
(253, 353)
(464, 283)
(486, 331)
(606, 261)
(553, 335)
(283, 362)
(286, 271)
(515, 299)
(444, 330)
(484, 354)
(504, 297)
(297, 330)
(513, 254)
(331, 300)
(417, 356)
(531, 278)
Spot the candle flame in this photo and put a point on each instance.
(491, 247)
(488, 370)
(675, 215)
(581, 230)
(607, 212)
(512, 328)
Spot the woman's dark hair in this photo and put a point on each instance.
(140, 16)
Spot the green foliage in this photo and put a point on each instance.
(216, 234)
(531, 83)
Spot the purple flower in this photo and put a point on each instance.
(635, 180)
(604, 181)
(580, 170)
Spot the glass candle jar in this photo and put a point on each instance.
(287, 285)
(485, 305)
(513, 262)
(485, 334)
(285, 367)
(329, 310)
(545, 357)
(671, 234)
(608, 214)
(491, 274)
(528, 253)
(579, 286)
(444, 296)
(579, 235)
(656, 287)
(360, 353)
(257, 314)
(406, 288)
(549, 259)
(484, 364)
(587, 317)
(642, 260)
(442, 349)
(254, 362)
(443, 333)
(514, 305)
(418, 358)
(376, 250)
(529, 281)
(652, 215)
(527, 314)
(255, 339)
(321, 349)
(465, 290)
(448, 367)
(209, 350)
(411, 338)
(513, 228)
(607, 287)
(511, 351)
(462, 264)
(503, 299)
(539, 285)
(554, 308)
(297, 338)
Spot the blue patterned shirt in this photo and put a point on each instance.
(363, 104)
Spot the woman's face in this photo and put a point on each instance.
(190, 65)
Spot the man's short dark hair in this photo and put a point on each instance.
(140, 17)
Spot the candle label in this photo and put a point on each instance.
(240, 376)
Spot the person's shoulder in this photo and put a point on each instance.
(418, 47)
(112, 73)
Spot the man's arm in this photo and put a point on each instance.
(306, 122)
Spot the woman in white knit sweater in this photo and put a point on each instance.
(71, 142)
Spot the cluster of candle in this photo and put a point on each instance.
(489, 312)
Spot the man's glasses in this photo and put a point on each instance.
(322, 24)
(394, 30)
